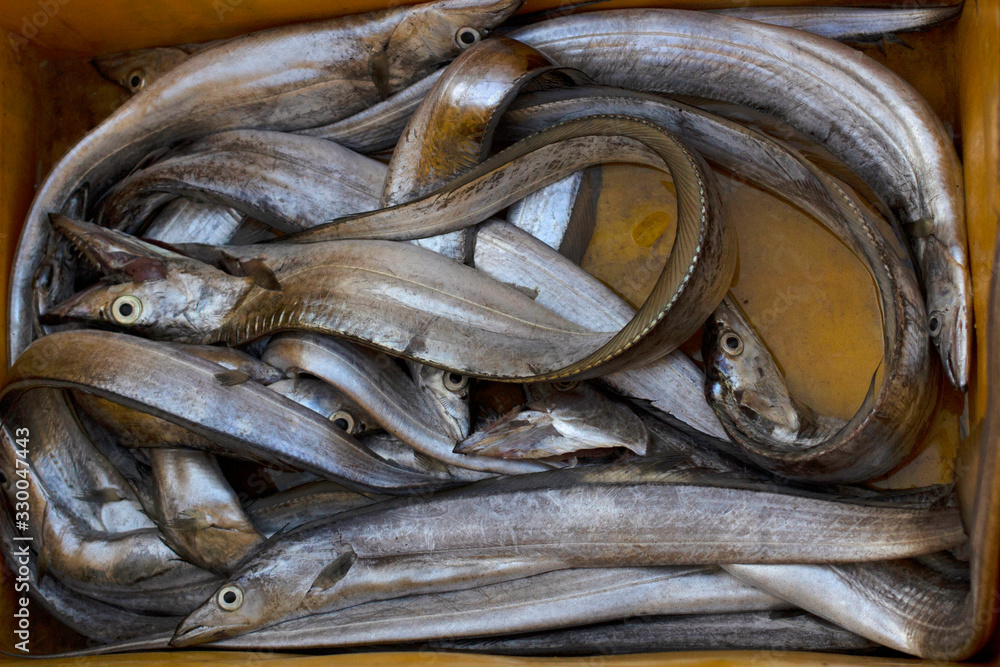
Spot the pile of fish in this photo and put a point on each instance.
(257, 312)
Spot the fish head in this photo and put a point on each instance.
(448, 395)
(432, 34)
(267, 588)
(327, 400)
(947, 311)
(147, 289)
(743, 382)
(134, 70)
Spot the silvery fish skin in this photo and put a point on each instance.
(543, 601)
(559, 420)
(185, 220)
(304, 503)
(92, 618)
(128, 565)
(899, 604)
(135, 69)
(545, 214)
(198, 512)
(557, 517)
(818, 86)
(741, 631)
(418, 304)
(451, 130)
(672, 384)
(244, 417)
(887, 425)
(321, 397)
(382, 389)
(846, 23)
(284, 79)
(392, 449)
(284, 180)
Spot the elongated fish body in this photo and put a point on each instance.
(847, 23)
(199, 512)
(818, 86)
(287, 181)
(128, 565)
(242, 417)
(899, 604)
(886, 427)
(452, 129)
(285, 79)
(335, 405)
(671, 384)
(304, 503)
(92, 618)
(585, 517)
(545, 214)
(550, 600)
(559, 421)
(741, 631)
(383, 390)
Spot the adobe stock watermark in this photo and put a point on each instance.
(32, 25)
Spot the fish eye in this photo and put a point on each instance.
(230, 598)
(455, 382)
(136, 80)
(343, 420)
(934, 324)
(466, 37)
(126, 309)
(732, 344)
(564, 386)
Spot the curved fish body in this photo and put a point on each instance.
(283, 79)
(898, 604)
(210, 223)
(286, 181)
(383, 390)
(858, 109)
(671, 385)
(128, 566)
(549, 600)
(886, 427)
(739, 631)
(854, 24)
(241, 417)
(101, 621)
(586, 517)
(451, 130)
(198, 512)
(559, 421)
(324, 398)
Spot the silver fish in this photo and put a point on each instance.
(321, 397)
(584, 517)
(241, 417)
(285, 79)
(818, 86)
(743, 631)
(301, 504)
(286, 181)
(198, 511)
(559, 420)
(382, 389)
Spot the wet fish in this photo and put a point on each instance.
(135, 69)
(858, 109)
(301, 504)
(283, 180)
(321, 397)
(284, 79)
(209, 223)
(383, 390)
(893, 414)
(672, 385)
(245, 417)
(585, 517)
(847, 23)
(744, 631)
(559, 420)
(198, 511)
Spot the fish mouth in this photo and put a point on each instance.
(193, 633)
